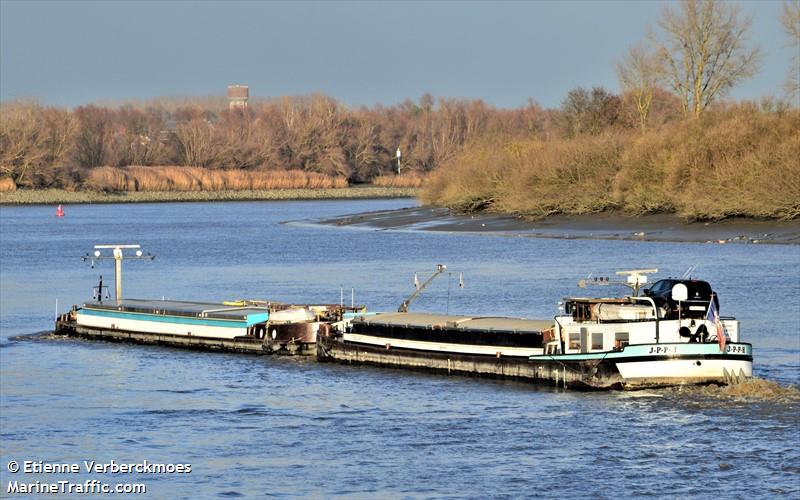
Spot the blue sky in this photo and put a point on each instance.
(361, 53)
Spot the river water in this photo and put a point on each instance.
(263, 426)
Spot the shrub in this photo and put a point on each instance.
(734, 161)
(7, 184)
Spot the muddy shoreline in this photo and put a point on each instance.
(596, 226)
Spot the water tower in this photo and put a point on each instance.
(237, 96)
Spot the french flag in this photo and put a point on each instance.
(713, 315)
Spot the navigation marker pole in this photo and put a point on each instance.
(399, 154)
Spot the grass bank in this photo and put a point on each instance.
(53, 196)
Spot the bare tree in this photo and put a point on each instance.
(589, 112)
(271, 136)
(703, 50)
(447, 131)
(362, 151)
(638, 76)
(23, 141)
(196, 145)
(324, 137)
(93, 135)
(59, 125)
(241, 140)
(790, 19)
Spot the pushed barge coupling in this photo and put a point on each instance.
(247, 326)
(673, 334)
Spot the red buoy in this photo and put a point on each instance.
(59, 211)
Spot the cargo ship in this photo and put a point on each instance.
(670, 335)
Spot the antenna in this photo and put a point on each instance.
(118, 256)
(689, 271)
(97, 291)
(635, 279)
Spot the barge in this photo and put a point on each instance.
(488, 347)
(672, 334)
(252, 326)
(248, 326)
(662, 338)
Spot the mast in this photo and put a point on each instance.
(118, 256)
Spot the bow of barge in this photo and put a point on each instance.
(246, 326)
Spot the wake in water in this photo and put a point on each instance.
(753, 389)
(759, 388)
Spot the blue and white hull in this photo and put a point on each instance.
(654, 365)
(686, 364)
(190, 319)
(169, 325)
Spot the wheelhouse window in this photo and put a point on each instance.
(580, 311)
(597, 341)
(621, 339)
(574, 341)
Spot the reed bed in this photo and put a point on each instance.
(410, 179)
(172, 178)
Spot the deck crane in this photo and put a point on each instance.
(440, 269)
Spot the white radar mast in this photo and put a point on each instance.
(635, 279)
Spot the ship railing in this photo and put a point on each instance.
(206, 312)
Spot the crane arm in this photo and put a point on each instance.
(440, 268)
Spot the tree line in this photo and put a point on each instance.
(45, 146)
(694, 55)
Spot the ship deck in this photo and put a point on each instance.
(428, 321)
(180, 308)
